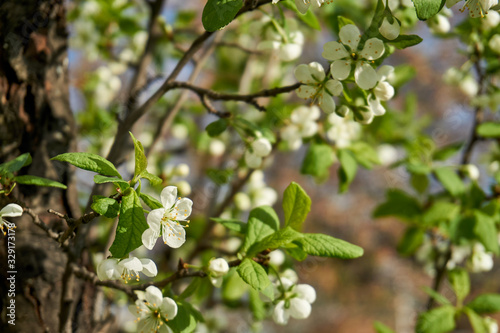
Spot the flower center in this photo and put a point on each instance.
(128, 274)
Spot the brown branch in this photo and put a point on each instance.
(39, 223)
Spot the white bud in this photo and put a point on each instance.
(472, 171)
(306, 292)
(452, 76)
(253, 161)
(183, 187)
(387, 154)
(342, 111)
(494, 166)
(216, 147)
(494, 43)
(480, 261)
(388, 30)
(491, 323)
(179, 131)
(182, 170)
(261, 147)
(468, 86)
(242, 201)
(365, 116)
(384, 91)
(276, 258)
(218, 267)
(439, 24)
(490, 21)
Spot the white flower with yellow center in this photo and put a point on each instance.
(343, 58)
(316, 86)
(166, 221)
(477, 8)
(126, 269)
(153, 311)
(11, 210)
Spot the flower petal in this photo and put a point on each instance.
(107, 270)
(317, 71)
(11, 210)
(377, 108)
(305, 292)
(303, 74)
(132, 264)
(384, 72)
(374, 48)
(149, 267)
(184, 208)
(299, 308)
(149, 237)
(154, 296)
(334, 87)
(280, 314)
(168, 308)
(326, 102)
(349, 35)
(306, 92)
(365, 76)
(334, 51)
(168, 196)
(309, 129)
(174, 237)
(154, 219)
(289, 52)
(340, 69)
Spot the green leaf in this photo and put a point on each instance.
(90, 162)
(364, 154)
(326, 246)
(190, 289)
(257, 306)
(440, 211)
(450, 181)
(308, 18)
(219, 13)
(411, 241)
(297, 253)
(343, 21)
(131, 225)
(459, 280)
(381, 328)
(347, 170)
(99, 179)
(440, 299)
(489, 130)
(38, 181)
(105, 206)
(275, 241)
(439, 320)
(253, 274)
(232, 224)
(486, 231)
(486, 303)
(154, 180)
(419, 182)
(150, 201)
(141, 163)
(477, 323)
(400, 204)
(186, 319)
(404, 41)
(16, 164)
(446, 152)
(217, 127)
(296, 205)
(317, 161)
(427, 8)
(262, 222)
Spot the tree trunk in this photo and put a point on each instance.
(35, 117)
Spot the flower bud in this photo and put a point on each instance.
(253, 161)
(387, 154)
(276, 258)
(388, 30)
(179, 131)
(242, 201)
(439, 24)
(182, 170)
(472, 171)
(216, 148)
(384, 91)
(469, 86)
(342, 111)
(261, 147)
(218, 267)
(183, 187)
(494, 43)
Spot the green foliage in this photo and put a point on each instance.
(276, 240)
(105, 206)
(317, 161)
(89, 162)
(450, 181)
(217, 127)
(348, 169)
(141, 162)
(15, 164)
(485, 304)
(38, 181)
(399, 204)
(99, 179)
(262, 222)
(486, 231)
(296, 205)
(477, 323)
(131, 225)
(411, 241)
(186, 318)
(381, 328)
(460, 282)
(489, 130)
(219, 13)
(427, 8)
(439, 320)
(232, 224)
(253, 274)
(326, 246)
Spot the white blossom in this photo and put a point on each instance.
(342, 131)
(387, 154)
(276, 258)
(494, 43)
(217, 269)
(288, 43)
(477, 8)
(242, 201)
(181, 170)
(296, 302)
(468, 85)
(11, 210)
(166, 221)
(153, 311)
(303, 125)
(472, 171)
(316, 87)
(303, 5)
(480, 260)
(345, 53)
(261, 147)
(126, 269)
(216, 147)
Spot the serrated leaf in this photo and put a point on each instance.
(38, 181)
(253, 274)
(478, 324)
(450, 181)
(217, 127)
(262, 222)
(460, 282)
(274, 241)
(296, 205)
(154, 180)
(348, 169)
(16, 164)
(485, 303)
(100, 179)
(326, 246)
(105, 206)
(439, 320)
(150, 201)
(219, 13)
(297, 253)
(317, 161)
(427, 8)
(411, 241)
(131, 225)
(232, 224)
(89, 162)
(486, 231)
(440, 299)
